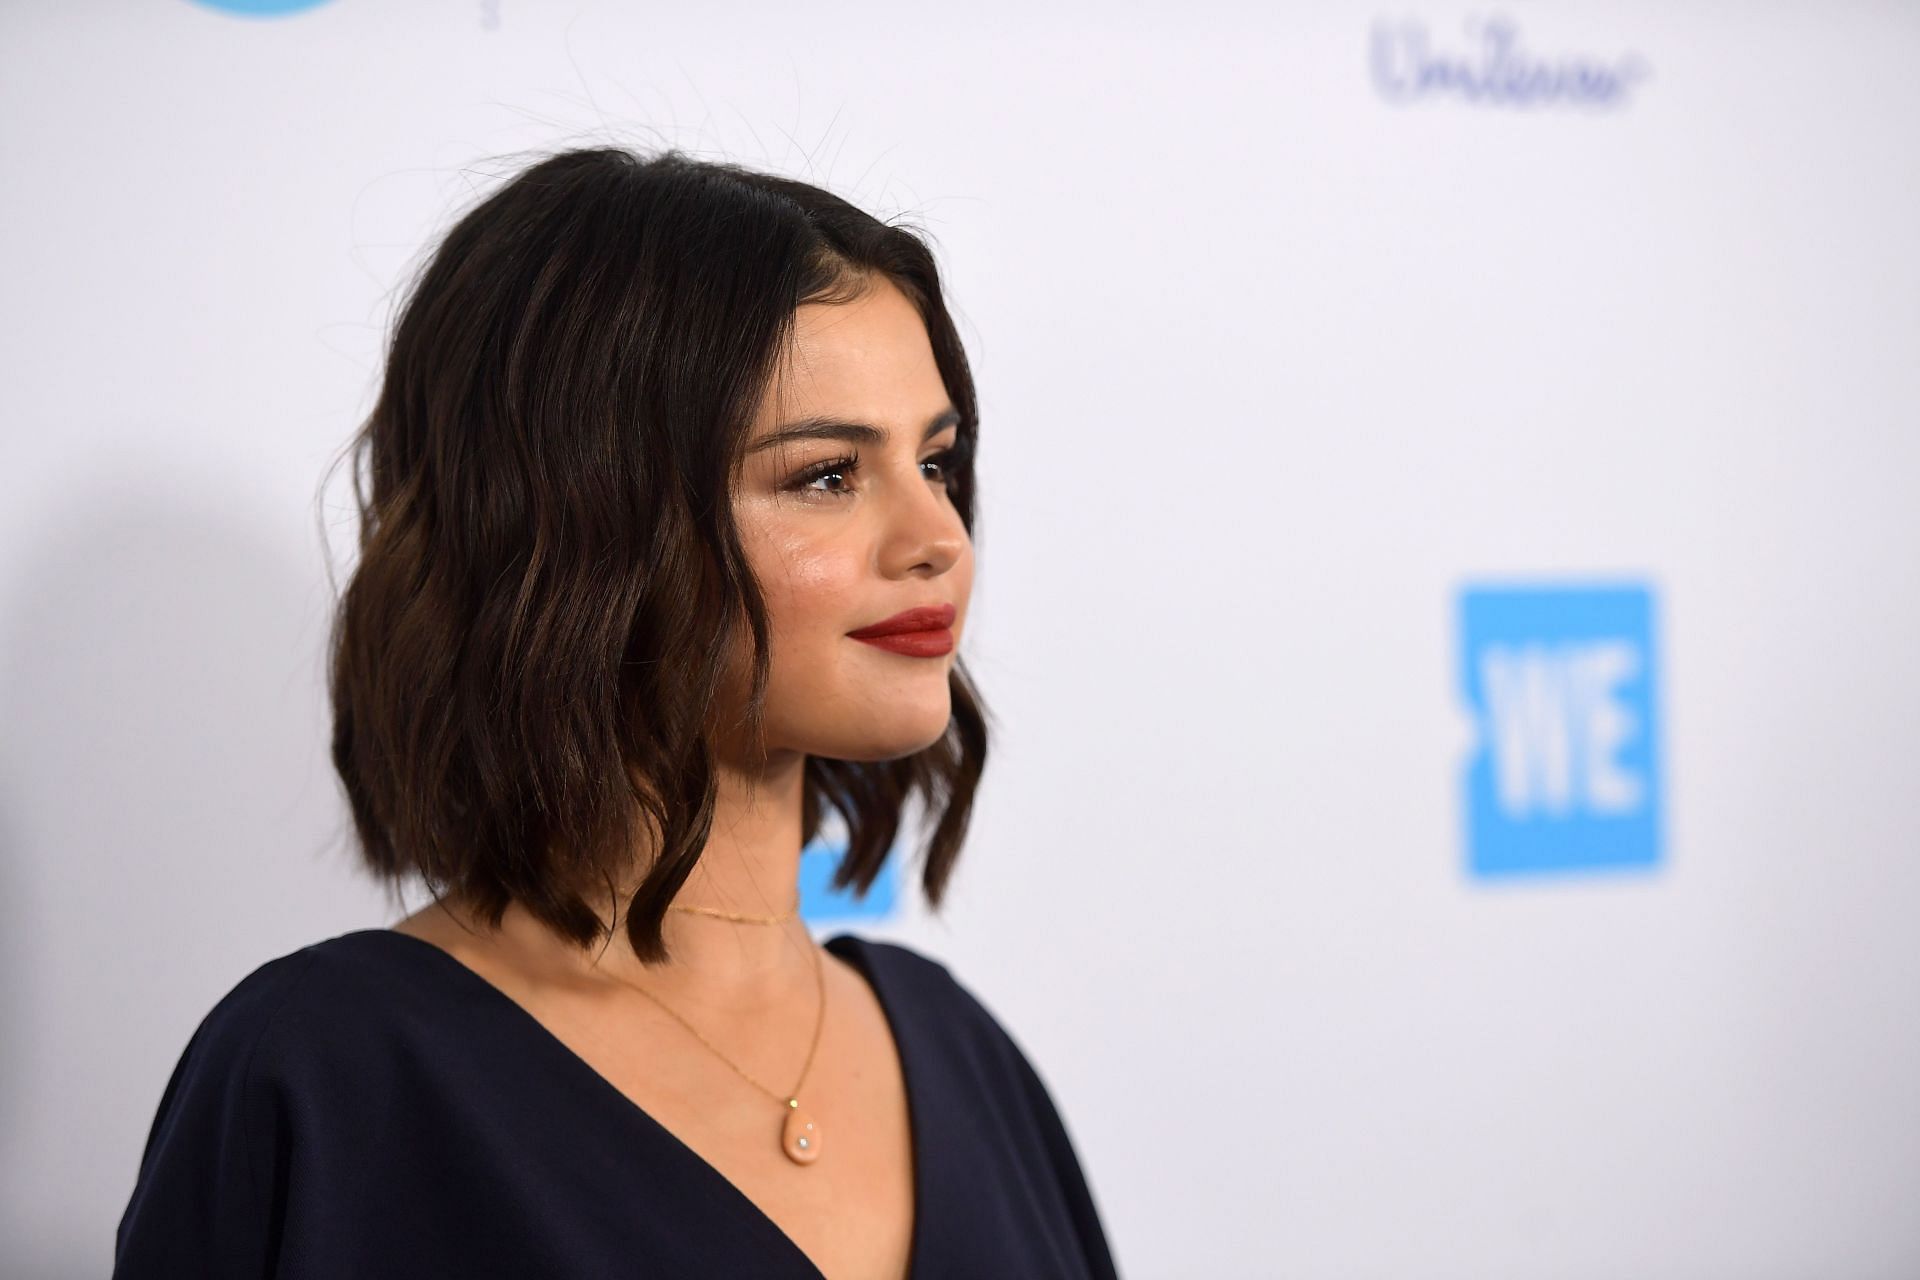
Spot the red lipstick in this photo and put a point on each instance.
(925, 632)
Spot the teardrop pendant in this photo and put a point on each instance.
(799, 1136)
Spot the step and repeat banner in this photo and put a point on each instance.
(1447, 589)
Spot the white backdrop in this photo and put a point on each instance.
(1290, 332)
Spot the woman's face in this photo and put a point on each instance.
(838, 545)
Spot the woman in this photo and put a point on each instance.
(666, 555)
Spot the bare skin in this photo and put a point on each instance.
(840, 552)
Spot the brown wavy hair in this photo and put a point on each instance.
(525, 666)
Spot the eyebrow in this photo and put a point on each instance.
(823, 428)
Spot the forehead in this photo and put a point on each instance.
(870, 356)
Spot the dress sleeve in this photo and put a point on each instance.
(204, 1203)
(1072, 1180)
(1045, 1121)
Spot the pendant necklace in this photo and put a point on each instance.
(799, 1131)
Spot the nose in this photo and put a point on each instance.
(924, 532)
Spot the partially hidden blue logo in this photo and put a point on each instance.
(820, 901)
(261, 8)
(1499, 73)
(1563, 685)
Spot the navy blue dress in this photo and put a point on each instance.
(368, 1106)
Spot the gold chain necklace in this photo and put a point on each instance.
(731, 915)
(800, 1134)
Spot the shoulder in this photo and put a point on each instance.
(982, 1103)
(231, 1032)
(261, 1062)
(911, 981)
(307, 981)
(934, 1008)
(330, 1000)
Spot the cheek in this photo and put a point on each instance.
(811, 590)
(961, 578)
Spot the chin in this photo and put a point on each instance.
(872, 743)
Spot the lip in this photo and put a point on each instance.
(923, 620)
(914, 644)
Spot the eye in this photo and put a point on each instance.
(946, 459)
(843, 468)
(832, 467)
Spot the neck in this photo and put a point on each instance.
(750, 866)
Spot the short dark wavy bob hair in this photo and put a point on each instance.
(526, 663)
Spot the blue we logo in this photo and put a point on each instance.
(1562, 683)
(821, 902)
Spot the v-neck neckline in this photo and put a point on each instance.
(851, 947)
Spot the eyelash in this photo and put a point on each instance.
(851, 462)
